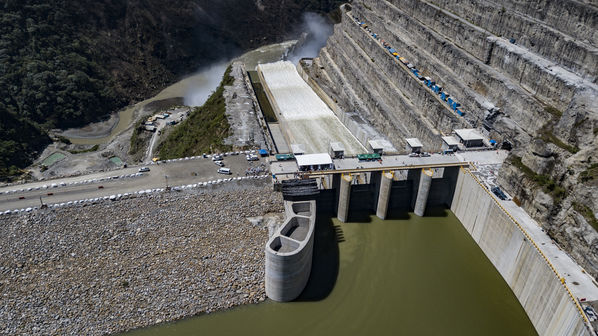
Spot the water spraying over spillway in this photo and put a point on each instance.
(318, 29)
(204, 84)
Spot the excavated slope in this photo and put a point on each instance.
(525, 74)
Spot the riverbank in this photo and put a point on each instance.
(134, 263)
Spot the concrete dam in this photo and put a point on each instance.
(400, 95)
(547, 300)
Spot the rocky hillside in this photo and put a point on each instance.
(66, 63)
(525, 74)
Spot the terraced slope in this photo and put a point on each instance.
(522, 73)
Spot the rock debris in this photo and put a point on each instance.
(114, 266)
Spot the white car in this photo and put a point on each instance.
(219, 163)
(144, 169)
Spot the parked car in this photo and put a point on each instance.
(217, 157)
(499, 193)
(219, 163)
(252, 157)
(144, 169)
(225, 171)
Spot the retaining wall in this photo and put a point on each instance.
(289, 252)
(547, 301)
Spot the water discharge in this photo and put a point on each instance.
(407, 276)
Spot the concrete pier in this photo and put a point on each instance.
(425, 182)
(289, 252)
(384, 194)
(344, 197)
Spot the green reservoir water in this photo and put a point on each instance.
(407, 276)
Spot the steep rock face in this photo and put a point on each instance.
(523, 72)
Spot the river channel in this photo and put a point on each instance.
(197, 87)
(406, 276)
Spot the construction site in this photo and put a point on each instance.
(382, 120)
(432, 162)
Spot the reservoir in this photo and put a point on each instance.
(407, 275)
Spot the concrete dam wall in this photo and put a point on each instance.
(548, 303)
(524, 73)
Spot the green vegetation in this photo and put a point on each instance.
(553, 110)
(92, 149)
(262, 99)
(204, 130)
(63, 139)
(589, 174)
(547, 136)
(548, 185)
(20, 140)
(587, 213)
(137, 141)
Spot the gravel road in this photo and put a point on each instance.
(110, 267)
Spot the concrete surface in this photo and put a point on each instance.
(306, 119)
(425, 181)
(289, 252)
(278, 137)
(344, 198)
(384, 194)
(537, 285)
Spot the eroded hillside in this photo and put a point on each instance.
(525, 74)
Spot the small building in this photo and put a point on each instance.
(450, 144)
(149, 123)
(337, 150)
(320, 161)
(297, 149)
(150, 128)
(381, 146)
(263, 152)
(414, 145)
(470, 137)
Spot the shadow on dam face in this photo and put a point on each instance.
(325, 262)
(404, 214)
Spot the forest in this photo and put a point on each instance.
(67, 63)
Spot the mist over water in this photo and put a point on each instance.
(318, 29)
(205, 83)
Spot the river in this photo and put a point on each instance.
(410, 276)
(195, 88)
